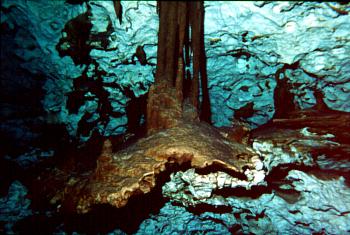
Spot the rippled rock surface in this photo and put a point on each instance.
(305, 191)
(135, 170)
(246, 45)
(191, 178)
(73, 72)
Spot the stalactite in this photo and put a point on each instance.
(174, 45)
(320, 104)
(162, 37)
(171, 42)
(118, 8)
(140, 54)
(182, 8)
(205, 107)
(195, 44)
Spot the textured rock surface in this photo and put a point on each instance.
(36, 36)
(297, 183)
(53, 75)
(304, 187)
(29, 64)
(307, 138)
(246, 44)
(201, 187)
(135, 170)
(323, 207)
(13, 207)
(177, 220)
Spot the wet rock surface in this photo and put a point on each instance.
(134, 170)
(61, 86)
(248, 43)
(302, 192)
(308, 137)
(308, 41)
(294, 179)
(321, 206)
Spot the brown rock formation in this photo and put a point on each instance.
(312, 132)
(177, 138)
(134, 170)
(239, 132)
(174, 44)
(175, 135)
(163, 108)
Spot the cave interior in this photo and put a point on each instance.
(201, 117)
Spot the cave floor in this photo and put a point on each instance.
(136, 178)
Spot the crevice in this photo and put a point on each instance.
(75, 43)
(253, 193)
(215, 167)
(256, 217)
(282, 96)
(204, 207)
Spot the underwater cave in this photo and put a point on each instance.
(174, 117)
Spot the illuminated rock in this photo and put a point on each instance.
(134, 170)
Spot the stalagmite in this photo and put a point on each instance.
(176, 18)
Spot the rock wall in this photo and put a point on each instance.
(96, 79)
(70, 69)
(81, 60)
(323, 206)
(247, 43)
(14, 206)
(301, 186)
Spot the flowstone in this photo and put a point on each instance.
(301, 189)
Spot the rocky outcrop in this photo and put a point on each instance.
(295, 178)
(319, 206)
(135, 170)
(305, 138)
(302, 189)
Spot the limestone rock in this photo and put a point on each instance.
(304, 187)
(252, 41)
(134, 170)
(242, 58)
(308, 137)
(14, 206)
